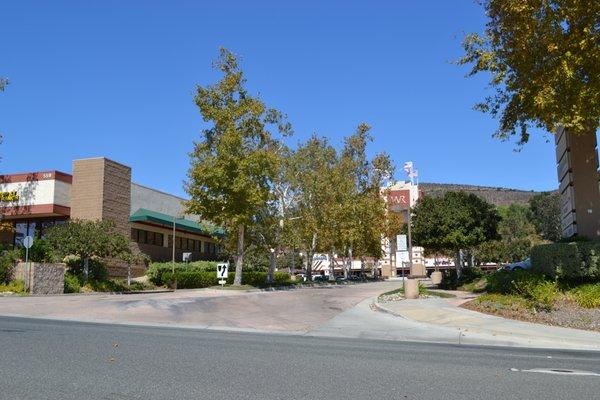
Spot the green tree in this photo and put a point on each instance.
(515, 222)
(454, 221)
(86, 240)
(235, 161)
(544, 61)
(312, 168)
(545, 215)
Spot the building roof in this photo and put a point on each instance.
(143, 215)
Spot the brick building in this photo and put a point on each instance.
(101, 189)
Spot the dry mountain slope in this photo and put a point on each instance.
(495, 195)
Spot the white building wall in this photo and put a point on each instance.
(155, 200)
(31, 193)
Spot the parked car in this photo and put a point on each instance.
(520, 265)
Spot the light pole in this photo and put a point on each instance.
(173, 255)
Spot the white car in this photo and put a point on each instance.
(520, 265)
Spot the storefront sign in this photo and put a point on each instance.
(9, 196)
(398, 199)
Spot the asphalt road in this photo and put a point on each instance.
(42, 359)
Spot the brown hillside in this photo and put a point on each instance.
(495, 195)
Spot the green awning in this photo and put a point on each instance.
(153, 217)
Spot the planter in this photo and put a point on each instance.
(436, 277)
(411, 289)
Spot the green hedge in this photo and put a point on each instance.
(157, 270)
(201, 279)
(578, 261)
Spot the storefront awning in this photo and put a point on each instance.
(143, 215)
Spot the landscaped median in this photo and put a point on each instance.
(532, 297)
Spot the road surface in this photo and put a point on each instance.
(43, 359)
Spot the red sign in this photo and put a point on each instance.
(399, 199)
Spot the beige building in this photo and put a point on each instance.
(101, 189)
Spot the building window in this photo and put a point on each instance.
(147, 237)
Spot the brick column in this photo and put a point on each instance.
(577, 159)
(101, 190)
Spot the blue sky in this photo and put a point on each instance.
(116, 78)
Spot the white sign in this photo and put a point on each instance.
(27, 242)
(222, 271)
(401, 242)
(402, 256)
(186, 257)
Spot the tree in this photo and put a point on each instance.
(515, 222)
(517, 236)
(453, 222)
(545, 215)
(235, 161)
(86, 240)
(311, 170)
(544, 61)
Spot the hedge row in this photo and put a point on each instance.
(578, 261)
(202, 279)
(157, 270)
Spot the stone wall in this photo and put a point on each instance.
(41, 278)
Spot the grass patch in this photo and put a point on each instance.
(503, 302)
(477, 286)
(13, 286)
(586, 296)
(232, 287)
(443, 295)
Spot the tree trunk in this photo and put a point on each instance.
(458, 263)
(362, 267)
(309, 257)
(351, 259)
(239, 257)
(331, 266)
(86, 268)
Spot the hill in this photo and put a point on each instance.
(495, 195)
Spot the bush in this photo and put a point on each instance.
(13, 286)
(526, 284)
(468, 275)
(157, 270)
(72, 284)
(96, 267)
(40, 251)
(191, 279)
(201, 279)
(8, 258)
(587, 296)
(568, 262)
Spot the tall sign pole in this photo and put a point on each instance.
(412, 174)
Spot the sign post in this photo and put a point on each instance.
(222, 272)
(27, 243)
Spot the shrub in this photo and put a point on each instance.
(526, 284)
(72, 284)
(16, 286)
(40, 251)
(191, 279)
(281, 278)
(8, 258)
(570, 262)
(468, 275)
(96, 267)
(201, 279)
(587, 296)
(156, 270)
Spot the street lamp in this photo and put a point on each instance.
(173, 255)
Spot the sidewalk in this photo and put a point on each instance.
(471, 327)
